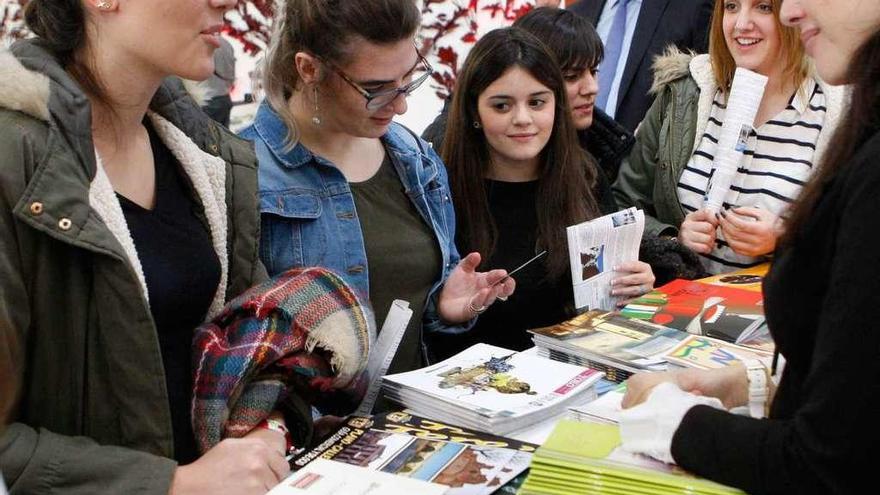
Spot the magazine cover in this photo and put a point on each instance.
(701, 309)
(416, 426)
(496, 382)
(707, 353)
(466, 469)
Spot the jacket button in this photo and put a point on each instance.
(214, 148)
(36, 208)
(355, 269)
(64, 224)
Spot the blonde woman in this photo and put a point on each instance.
(668, 170)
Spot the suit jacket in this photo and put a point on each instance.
(684, 23)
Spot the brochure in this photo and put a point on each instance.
(595, 248)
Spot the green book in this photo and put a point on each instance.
(589, 454)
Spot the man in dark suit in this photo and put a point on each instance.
(643, 31)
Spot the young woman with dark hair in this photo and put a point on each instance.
(822, 431)
(343, 186)
(127, 218)
(519, 178)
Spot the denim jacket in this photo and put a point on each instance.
(308, 213)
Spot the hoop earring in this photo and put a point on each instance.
(316, 117)
(477, 125)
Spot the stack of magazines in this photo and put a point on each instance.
(586, 458)
(609, 342)
(491, 389)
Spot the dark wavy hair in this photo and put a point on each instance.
(567, 174)
(862, 121)
(569, 36)
(60, 26)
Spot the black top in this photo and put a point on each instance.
(182, 273)
(403, 256)
(820, 297)
(536, 302)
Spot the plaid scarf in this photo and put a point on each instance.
(296, 337)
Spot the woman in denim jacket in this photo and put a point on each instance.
(344, 187)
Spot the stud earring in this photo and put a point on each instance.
(316, 117)
(477, 125)
(104, 5)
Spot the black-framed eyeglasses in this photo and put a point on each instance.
(378, 99)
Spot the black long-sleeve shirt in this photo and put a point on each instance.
(821, 298)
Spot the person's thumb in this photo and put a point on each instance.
(470, 262)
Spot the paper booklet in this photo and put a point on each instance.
(323, 477)
(746, 93)
(383, 351)
(595, 248)
(465, 469)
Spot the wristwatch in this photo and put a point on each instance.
(275, 425)
(758, 388)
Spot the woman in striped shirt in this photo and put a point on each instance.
(668, 171)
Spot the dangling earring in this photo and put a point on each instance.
(316, 117)
(477, 125)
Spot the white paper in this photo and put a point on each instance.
(383, 352)
(745, 97)
(595, 248)
(323, 477)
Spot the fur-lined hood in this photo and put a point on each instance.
(32, 82)
(675, 64)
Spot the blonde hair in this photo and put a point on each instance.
(324, 29)
(797, 66)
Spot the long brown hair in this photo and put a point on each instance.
(861, 122)
(60, 26)
(566, 175)
(325, 28)
(797, 66)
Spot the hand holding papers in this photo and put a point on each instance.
(595, 248)
(739, 117)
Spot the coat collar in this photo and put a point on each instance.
(69, 196)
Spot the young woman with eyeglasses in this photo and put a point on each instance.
(343, 186)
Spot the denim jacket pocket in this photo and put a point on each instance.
(292, 234)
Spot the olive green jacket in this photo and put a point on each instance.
(665, 140)
(93, 415)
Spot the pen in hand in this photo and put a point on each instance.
(520, 267)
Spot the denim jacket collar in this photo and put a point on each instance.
(273, 131)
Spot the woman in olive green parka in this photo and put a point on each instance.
(93, 413)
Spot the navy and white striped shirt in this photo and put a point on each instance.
(777, 163)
